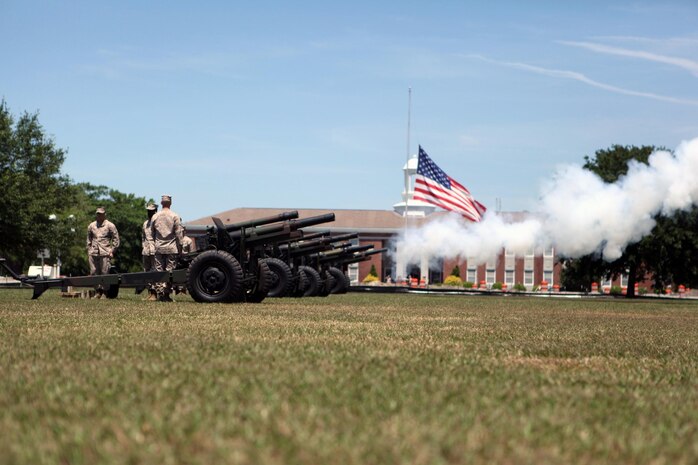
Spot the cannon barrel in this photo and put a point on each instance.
(347, 250)
(280, 231)
(289, 215)
(305, 242)
(360, 257)
(313, 251)
(356, 256)
(202, 228)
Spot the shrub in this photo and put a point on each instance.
(370, 278)
(616, 290)
(468, 284)
(519, 287)
(373, 271)
(497, 286)
(643, 290)
(456, 271)
(453, 280)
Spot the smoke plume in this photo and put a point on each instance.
(579, 214)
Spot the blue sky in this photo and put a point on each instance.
(304, 104)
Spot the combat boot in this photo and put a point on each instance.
(152, 296)
(165, 298)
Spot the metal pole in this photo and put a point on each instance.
(407, 161)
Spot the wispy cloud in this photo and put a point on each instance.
(684, 63)
(575, 76)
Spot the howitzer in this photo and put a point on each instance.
(233, 268)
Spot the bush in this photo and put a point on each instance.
(616, 290)
(468, 284)
(453, 281)
(456, 271)
(497, 286)
(643, 290)
(370, 279)
(519, 287)
(373, 271)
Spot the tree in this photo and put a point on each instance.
(32, 187)
(456, 271)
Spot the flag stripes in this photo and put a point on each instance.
(433, 185)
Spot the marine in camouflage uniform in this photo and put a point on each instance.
(102, 242)
(149, 247)
(168, 235)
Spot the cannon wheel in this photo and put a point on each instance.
(314, 281)
(301, 283)
(282, 277)
(265, 279)
(341, 285)
(214, 276)
(112, 292)
(327, 284)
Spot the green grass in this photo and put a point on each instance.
(355, 379)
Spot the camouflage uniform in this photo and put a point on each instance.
(148, 252)
(168, 235)
(102, 242)
(186, 245)
(148, 246)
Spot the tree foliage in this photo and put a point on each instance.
(32, 187)
(42, 208)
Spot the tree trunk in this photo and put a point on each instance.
(632, 279)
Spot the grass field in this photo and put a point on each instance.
(354, 379)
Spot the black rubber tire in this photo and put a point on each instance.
(265, 279)
(327, 284)
(112, 292)
(314, 281)
(214, 276)
(301, 283)
(341, 285)
(282, 278)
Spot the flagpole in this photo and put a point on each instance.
(407, 162)
(407, 172)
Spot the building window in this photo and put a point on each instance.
(509, 277)
(548, 277)
(528, 277)
(353, 273)
(623, 280)
(509, 266)
(471, 273)
(489, 273)
(548, 261)
(528, 268)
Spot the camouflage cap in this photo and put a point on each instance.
(151, 206)
(166, 198)
(100, 210)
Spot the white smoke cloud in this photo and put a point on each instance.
(579, 214)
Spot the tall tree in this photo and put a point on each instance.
(32, 187)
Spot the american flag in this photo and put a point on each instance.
(434, 186)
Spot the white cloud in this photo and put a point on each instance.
(684, 63)
(573, 75)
